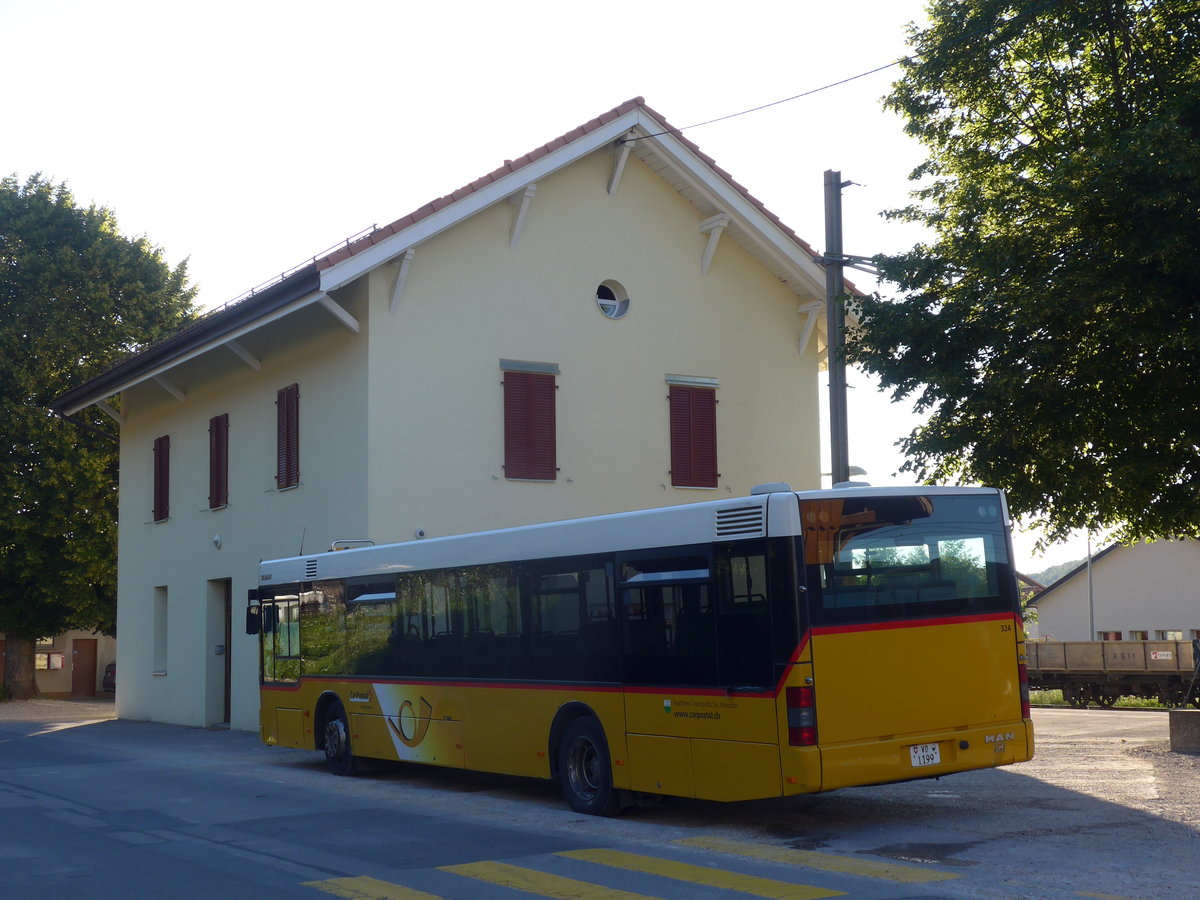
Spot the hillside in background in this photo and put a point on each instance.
(1048, 576)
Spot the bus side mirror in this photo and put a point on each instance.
(253, 619)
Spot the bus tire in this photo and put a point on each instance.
(338, 756)
(585, 770)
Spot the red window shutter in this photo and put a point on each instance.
(218, 461)
(529, 426)
(693, 436)
(162, 478)
(287, 456)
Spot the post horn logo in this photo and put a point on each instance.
(410, 727)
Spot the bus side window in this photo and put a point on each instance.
(494, 637)
(744, 616)
(321, 628)
(430, 623)
(556, 602)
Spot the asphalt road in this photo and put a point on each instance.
(91, 807)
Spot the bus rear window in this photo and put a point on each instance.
(877, 559)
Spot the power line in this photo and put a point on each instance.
(826, 87)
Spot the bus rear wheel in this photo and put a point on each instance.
(338, 756)
(585, 771)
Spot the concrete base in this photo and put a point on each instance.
(1185, 730)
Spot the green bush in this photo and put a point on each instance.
(1055, 698)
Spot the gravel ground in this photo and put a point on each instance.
(58, 710)
(1124, 757)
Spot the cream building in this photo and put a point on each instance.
(1140, 592)
(607, 323)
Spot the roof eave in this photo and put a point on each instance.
(203, 335)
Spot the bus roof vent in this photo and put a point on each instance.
(770, 487)
(740, 521)
(310, 568)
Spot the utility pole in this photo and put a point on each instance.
(835, 327)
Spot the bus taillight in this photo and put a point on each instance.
(1023, 679)
(802, 717)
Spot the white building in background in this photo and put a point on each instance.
(607, 323)
(1138, 592)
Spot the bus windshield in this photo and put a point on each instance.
(883, 558)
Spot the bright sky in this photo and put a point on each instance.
(250, 136)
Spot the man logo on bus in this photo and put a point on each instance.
(409, 727)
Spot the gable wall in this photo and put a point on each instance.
(436, 417)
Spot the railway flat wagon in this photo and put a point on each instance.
(1100, 672)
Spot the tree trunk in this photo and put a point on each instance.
(19, 672)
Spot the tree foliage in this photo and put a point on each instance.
(76, 297)
(1050, 325)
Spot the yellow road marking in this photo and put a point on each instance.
(364, 887)
(706, 875)
(541, 883)
(827, 862)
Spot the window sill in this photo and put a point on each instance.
(162, 674)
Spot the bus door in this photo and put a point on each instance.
(281, 721)
(914, 636)
(698, 672)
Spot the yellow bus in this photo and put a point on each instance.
(776, 644)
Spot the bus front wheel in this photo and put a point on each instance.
(584, 769)
(338, 758)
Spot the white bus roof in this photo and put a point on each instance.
(732, 518)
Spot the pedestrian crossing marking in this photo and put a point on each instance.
(828, 862)
(558, 887)
(364, 887)
(704, 875)
(541, 883)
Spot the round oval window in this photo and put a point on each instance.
(612, 300)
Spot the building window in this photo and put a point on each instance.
(693, 433)
(529, 426)
(1139, 635)
(612, 299)
(49, 660)
(1110, 635)
(287, 415)
(162, 478)
(1170, 635)
(218, 461)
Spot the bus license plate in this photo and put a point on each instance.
(925, 755)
